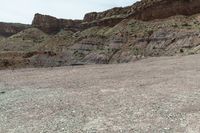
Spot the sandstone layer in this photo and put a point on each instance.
(8, 29)
(52, 25)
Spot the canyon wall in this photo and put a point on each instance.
(8, 29)
(144, 10)
(160, 9)
(149, 10)
(53, 25)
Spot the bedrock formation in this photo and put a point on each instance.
(119, 35)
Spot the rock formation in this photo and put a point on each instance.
(149, 10)
(53, 25)
(159, 9)
(146, 28)
(118, 11)
(144, 10)
(8, 29)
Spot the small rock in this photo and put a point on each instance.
(2, 92)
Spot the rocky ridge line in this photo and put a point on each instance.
(144, 10)
(117, 35)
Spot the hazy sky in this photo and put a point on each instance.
(23, 10)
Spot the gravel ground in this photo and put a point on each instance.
(149, 96)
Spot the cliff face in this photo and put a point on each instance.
(118, 11)
(160, 9)
(8, 29)
(144, 10)
(52, 25)
(149, 10)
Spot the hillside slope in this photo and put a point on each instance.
(117, 35)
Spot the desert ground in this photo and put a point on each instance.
(153, 95)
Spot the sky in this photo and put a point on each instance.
(22, 11)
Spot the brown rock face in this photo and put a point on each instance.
(8, 29)
(106, 14)
(144, 10)
(52, 25)
(46, 23)
(114, 36)
(149, 10)
(159, 9)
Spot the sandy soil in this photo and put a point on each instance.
(149, 96)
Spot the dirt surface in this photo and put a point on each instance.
(152, 95)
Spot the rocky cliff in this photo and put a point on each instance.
(119, 35)
(8, 29)
(159, 9)
(149, 10)
(53, 25)
(144, 10)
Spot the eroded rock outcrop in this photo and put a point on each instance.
(8, 29)
(114, 12)
(117, 35)
(53, 25)
(149, 9)
(160, 9)
(144, 10)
